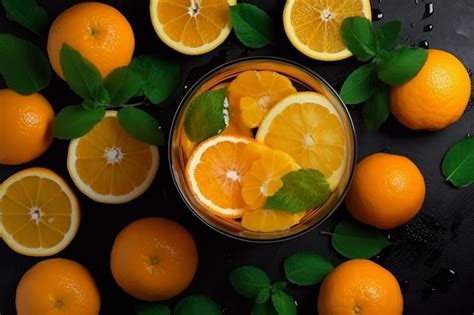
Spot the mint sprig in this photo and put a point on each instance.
(252, 25)
(389, 67)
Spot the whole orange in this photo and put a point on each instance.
(360, 287)
(154, 259)
(436, 97)
(387, 190)
(25, 127)
(98, 31)
(57, 286)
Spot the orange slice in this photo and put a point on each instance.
(313, 27)
(263, 179)
(307, 127)
(109, 166)
(192, 27)
(39, 214)
(264, 220)
(253, 93)
(215, 170)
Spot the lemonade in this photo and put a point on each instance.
(288, 138)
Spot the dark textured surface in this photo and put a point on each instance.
(439, 239)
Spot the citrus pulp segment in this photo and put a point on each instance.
(265, 220)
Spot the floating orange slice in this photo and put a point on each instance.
(253, 93)
(264, 220)
(215, 170)
(109, 166)
(39, 214)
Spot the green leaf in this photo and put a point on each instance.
(279, 285)
(283, 303)
(122, 84)
(161, 77)
(197, 305)
(75, 121)
(388, 34)
(252, 26)
(81, 75)
(141, 126)
(25, 67)
(248, 281)
(358, 35)
(28, 14)
(401, 65)
(306, 268)
(377, 109)
(359, 86)
(263, 295)
(302, 190)
(353, 240)
(153, 308)
(207, 115)
(458, 163)
(264, 309)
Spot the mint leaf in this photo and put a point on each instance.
(263, 295)
(358, 35)
(122, 84)
(388, 34)
(81, 75)
(458, 163)
(252, 26)
(401, 65)
(161, 77)
(141, 126)
(248, 281)
(197, 305)
(153, 308)
(302, 190)
(353, 240)
(283, 303)
(25, 68)
(28, 14)
(75, 121)
(207, 115)
(359, 86)
(377, 109)
(264, 309)
(306, 268)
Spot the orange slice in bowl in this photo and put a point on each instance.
(264, 220)
(214, 173)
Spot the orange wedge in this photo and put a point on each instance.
(307, 127)
(192, 27)
(263, 179)
(39, 214)
(253, 93)
(313, 27)
(109, 166)
(214, 173)
(264, 220)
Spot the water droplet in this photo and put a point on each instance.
(186, 87)
(429, 10)
(442, 280)
(377, 15)
(428, 28)
(416, 2)
(424, 44)
(412, 25)
(469, 71)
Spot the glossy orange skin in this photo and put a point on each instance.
(25, 127)
(154, 259)
(360, 287)
(436, 97)
(57, 286)
(98, 31)
(387, 190)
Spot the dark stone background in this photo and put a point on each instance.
(440, 238)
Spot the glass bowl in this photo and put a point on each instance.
(305, 79)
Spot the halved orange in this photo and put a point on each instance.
(265, 220)
(313, 27)
(214, 173)
(109, 166)
(263, 179)
(39, 214)
(191, 27)
(307, 127)
(253, 93)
